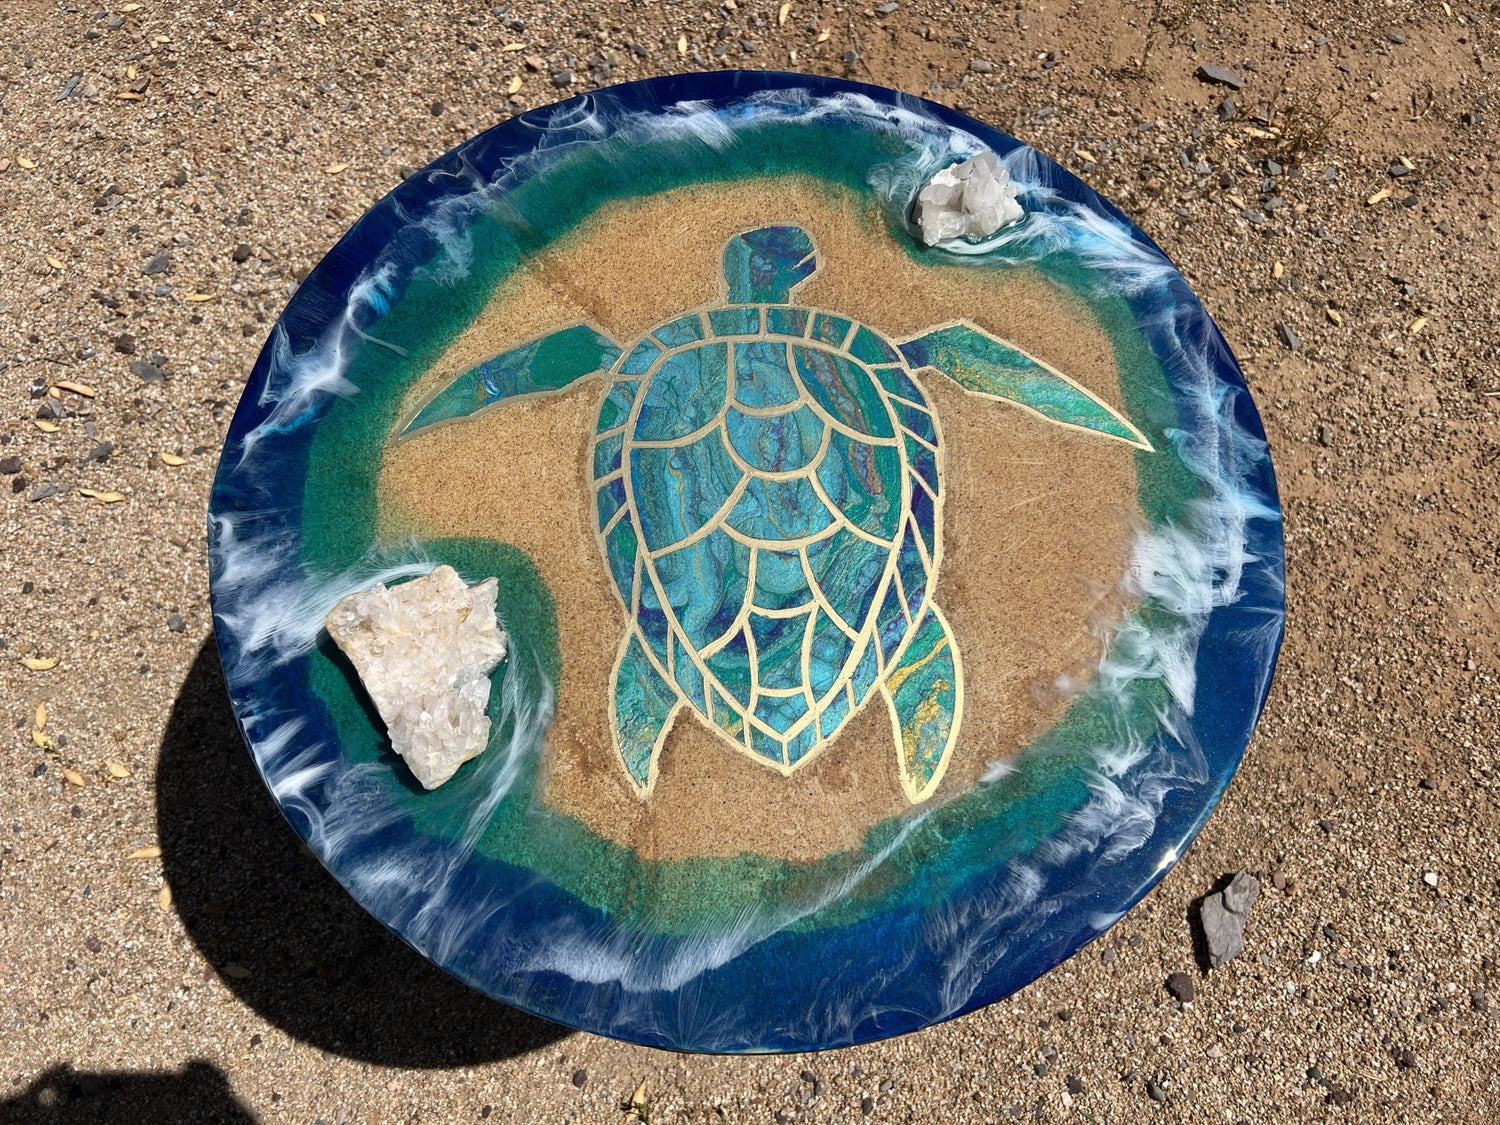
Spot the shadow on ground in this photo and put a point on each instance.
(199, 1092)
(281, 933)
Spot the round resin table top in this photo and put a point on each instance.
(881, 619)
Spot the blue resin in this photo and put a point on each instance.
(940, 911)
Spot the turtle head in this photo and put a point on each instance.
(765, 265)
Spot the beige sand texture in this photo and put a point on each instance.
(1037, 517)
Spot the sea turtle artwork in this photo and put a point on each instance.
(886, 603)
(768, 487)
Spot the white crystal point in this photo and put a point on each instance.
(424, 651)
(969, 200)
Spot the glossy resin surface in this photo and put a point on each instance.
(781, 482)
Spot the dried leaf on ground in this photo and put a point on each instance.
(40, 663)
(116, 769)
(145, 853)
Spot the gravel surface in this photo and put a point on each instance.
(169, 171)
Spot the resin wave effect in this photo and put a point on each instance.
(944, 908)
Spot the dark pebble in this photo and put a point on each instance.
(1108, 957)
(124, 343)
(1180, 985)
(1479, 1001)
(1331, 934)
(981, 66)
(1228, 110)
(1396, 37)
(39, 769)
(808, 1076)
(887, 1085)
(1326, 825)
(42, 491)
(436, 109)
(1221, 76)
(1040, 1069)
(1074, 1084)
(1397, 169)
(866, 1106)
(158, 263)
(1325, 439)
(1287, 336)
(181, 179)
(851, 57)
(562, 77)
(1238, 1028)
(1156, 1093)
(92, 944)
(241, 252)
(101, 452)
(10, 465)
(1428, 784)
(1273, 168)
(1254, 218)
(1407, 1059)
(1315, 1074)
(175, 624)
(580, 1078)
(406, 171)
(18, 485)
(255, 1040)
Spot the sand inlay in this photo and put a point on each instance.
(1036, 520)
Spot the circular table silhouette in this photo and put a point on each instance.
(884, 619)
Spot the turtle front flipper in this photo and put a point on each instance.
(925, 691)
(549, 364)
(979, 362)
(643, 703)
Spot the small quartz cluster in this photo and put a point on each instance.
(424, 650)
(969, 200)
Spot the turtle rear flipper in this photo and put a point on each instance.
(642, 705)
(925, 691)
(545, 365)
(986, 365)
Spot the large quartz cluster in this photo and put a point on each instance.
(969, 200)
(424, 650)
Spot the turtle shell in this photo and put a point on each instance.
(768, 501)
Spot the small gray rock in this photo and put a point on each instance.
(158, 264)
(42, 491)
(9, 466)
(147, 372)
(241, 252)
(1223, 916)
(1287, 336)
(101, 452)
(982, 66)
(175, 624)
(1220, 76)
(1397, 170)
(562, 77)
(1396, 37)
